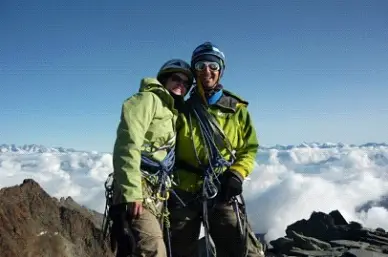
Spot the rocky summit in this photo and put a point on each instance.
(329, 235)
(34, 224)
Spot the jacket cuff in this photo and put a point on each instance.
(238, 175)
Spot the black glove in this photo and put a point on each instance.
(231, 185)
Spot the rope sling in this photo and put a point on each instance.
(213, 138)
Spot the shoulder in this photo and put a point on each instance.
(142, 96)
(234, 96)
(142, 100)
(232, 101)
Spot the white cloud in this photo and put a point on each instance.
(295, 182)
(77, 174)
(287, 184)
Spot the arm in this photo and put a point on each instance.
(246, 155)
(136, 115)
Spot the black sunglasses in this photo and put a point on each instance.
(178, 79)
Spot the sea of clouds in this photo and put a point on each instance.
(287, 184)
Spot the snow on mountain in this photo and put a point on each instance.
(36, 148)
(325, 145)
(33, 148)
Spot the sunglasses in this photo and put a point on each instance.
(178, 79)
(201, 65)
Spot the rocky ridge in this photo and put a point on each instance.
(330, 235)
(34, 224)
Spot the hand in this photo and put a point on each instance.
(231, 185)
(134, 209)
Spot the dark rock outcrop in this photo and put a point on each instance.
(34, 224)
(329, 235)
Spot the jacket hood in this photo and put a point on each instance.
(154, 86)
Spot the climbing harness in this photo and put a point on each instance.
(158, 182)
(162, 178)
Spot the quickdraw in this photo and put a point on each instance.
(107, 222)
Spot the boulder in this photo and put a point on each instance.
(330, 235)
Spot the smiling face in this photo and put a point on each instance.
(208, 73)
(178, 84)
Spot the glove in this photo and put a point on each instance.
(231, 185)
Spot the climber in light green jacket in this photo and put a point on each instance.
(146, 136)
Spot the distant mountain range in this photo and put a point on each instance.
(36, 148)
(322, 145)
(33, 148)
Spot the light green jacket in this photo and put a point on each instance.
(147, 123)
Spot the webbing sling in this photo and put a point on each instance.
(210, 129)
(163, 171)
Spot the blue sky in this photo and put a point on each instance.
(311, 70)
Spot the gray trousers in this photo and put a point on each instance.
(148, 236)
(223, 228)
(144, 237)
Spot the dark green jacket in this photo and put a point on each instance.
(233, 117)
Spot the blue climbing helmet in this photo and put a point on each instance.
(175, 66)
(210, 52)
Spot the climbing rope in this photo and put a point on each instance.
(213, 139)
